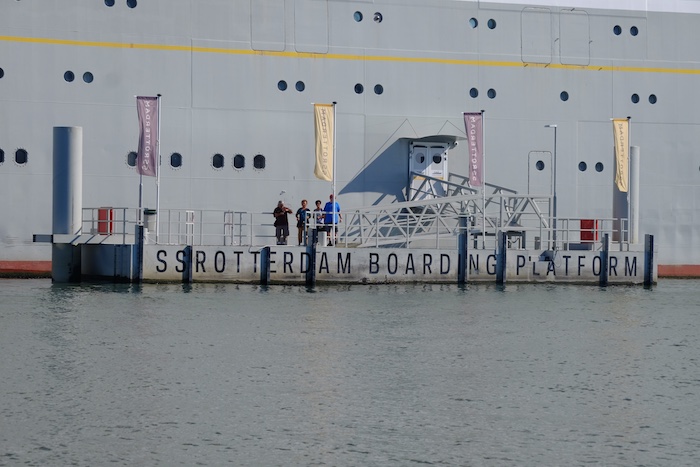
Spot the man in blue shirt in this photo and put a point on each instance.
(332, 218)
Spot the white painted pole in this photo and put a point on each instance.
(634, 193)
(483, 179)
(158, 172)
(335, 157)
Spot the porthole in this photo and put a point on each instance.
(491, 93)
(599, 167)
(617, 30)
(378, 17)
(109, 2)
(21, 156)
(564, 96)
(473, 92)
(491, 24)
(2, 73)
(69, 76)
(2, 156)
(473, 22)
(87, 77)
(176, 160)
(300, 86)
(282, 85)
(359, 89)
(131, 3)
(259, 161)
(539, 165)
(634, 31)
(635, 98)
(652, 98)
(420, 157)
(357, 16)
(437, 158)
(378, 89)
(217, 161)
(582, 166)
(238, 161)
(131, 159)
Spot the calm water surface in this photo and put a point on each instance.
(526, 375)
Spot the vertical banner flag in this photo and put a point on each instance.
(621, 134)
(473, 122)
(147, 155)
(323, 122)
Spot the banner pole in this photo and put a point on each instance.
(335, 156)
(483, 180)
(629, 179)
(158, 96)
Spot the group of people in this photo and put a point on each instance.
(326, 218)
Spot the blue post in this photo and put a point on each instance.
(648, 260)
(604, 255)
(265, 266)
(501, 259)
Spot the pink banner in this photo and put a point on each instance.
(473, 122)
(147, 156)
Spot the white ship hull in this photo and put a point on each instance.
(238, 78)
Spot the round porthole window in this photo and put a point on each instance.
(282, 85)
(582, 166)
(474, 93)
(69, 76)
(473, 22)
(359, 89)
(176, 160)
(617, 30)
(599, 167)
(217, 161)
(539, 165)
(564, 96)
(357, 16)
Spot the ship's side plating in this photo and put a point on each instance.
(238, 79)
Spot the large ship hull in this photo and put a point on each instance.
(238, 79)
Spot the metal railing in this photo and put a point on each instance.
(427, 223)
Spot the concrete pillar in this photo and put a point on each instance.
(67, 216)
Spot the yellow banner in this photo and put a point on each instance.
(324, 124)
(621, 134)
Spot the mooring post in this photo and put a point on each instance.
(648, 260)
(501, 258)
(463, 252)
(604, 261)
(311, 253)
(265, 266)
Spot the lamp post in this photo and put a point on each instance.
(554, 187)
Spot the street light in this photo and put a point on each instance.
(554, 186)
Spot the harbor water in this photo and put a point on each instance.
(521, 375)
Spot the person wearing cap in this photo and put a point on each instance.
(281, 222)
(332, 220)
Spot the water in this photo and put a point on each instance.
(526, 375)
